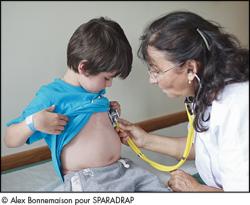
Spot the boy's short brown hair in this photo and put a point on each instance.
(103, 44)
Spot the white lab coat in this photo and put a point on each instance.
(222, 152)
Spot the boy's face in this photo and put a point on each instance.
(98, 82)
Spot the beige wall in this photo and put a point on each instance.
(35, 36)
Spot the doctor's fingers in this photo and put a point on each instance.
(125, 128)
(124, 123)
(124, 140)
(177, 173)
(178, 176)
(174, 182)
(172, 185)
(123, 134)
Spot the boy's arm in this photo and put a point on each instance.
(17, 134)
(45, 121)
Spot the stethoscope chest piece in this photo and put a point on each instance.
(113, 115)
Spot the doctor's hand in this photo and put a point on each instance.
(49, 122)
(180, 181)
(115, 105)
(137, 134)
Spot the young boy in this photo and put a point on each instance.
(71, 114)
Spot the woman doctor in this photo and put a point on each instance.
(190, 56)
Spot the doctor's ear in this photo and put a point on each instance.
(82, 67)
(190, 76)
(192, 67)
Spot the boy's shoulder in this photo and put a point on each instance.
(56, 85)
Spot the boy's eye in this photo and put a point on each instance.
(107, 79)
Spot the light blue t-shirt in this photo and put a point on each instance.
(75, 102)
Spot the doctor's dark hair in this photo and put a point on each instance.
(222, 60)
(102, 42)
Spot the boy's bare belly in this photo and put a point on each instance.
(96, 145)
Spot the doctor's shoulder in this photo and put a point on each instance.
(235, 93)
(233, 97)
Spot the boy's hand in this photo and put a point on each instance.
(115, 105)
(48, 122)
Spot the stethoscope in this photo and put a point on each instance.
(114, 115)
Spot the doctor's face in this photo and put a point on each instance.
(171, 78)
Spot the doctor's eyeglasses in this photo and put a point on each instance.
(156, 74)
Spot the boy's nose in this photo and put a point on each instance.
(109, 83)
(152, 80)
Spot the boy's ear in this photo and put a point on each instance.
(82, 67)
